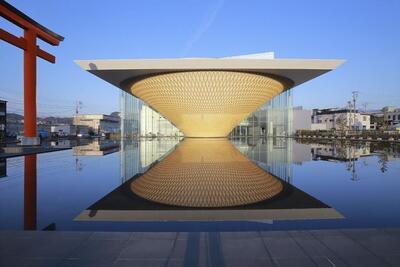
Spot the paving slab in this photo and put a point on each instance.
(284, 248)
(98, 250)
(86, 263)
(294, 262)
(155, 235)
(351, 252)
(141, 263)
(329, 262)
(341, 247)
(244, 248)
(148, 249)
(314, 247)
(111, 236)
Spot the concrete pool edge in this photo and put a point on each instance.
(209, 215)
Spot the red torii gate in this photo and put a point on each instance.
(32, 31)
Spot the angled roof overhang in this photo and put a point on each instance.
(298, 71)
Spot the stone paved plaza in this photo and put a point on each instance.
(353, 247)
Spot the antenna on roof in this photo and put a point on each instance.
(78, 107)
(365, 105)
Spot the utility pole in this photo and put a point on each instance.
(349, 119)
(365, 106)
(77, 109)
(355, 95)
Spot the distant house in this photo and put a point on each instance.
(99, 124)
(62, 130)
(391, 115)
(335, 118)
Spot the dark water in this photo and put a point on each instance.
(349, 185)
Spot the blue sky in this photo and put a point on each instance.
(365, 33)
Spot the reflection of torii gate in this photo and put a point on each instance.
(32, 31)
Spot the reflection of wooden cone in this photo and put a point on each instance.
(207, 103)
(30, 188)
(206, 173)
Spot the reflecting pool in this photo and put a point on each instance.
(203, 185)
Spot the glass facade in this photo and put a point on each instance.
(139, 120)
(274, 118)
(129, 114)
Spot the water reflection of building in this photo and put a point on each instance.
(97, 148)
(200, 174)
(274, 155)
(3, 167)
(137, 156)
(391, 151)
(61, 143)
(339, 151)
(206, 173)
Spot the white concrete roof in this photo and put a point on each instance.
(297, 70)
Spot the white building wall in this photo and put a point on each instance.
(393, 117)
(361, 121)
(301, 119)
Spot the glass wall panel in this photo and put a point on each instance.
(274, 118)
(139, 120)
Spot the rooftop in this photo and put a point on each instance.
(297, 71)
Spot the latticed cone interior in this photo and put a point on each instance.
(206, 173)
(206, 103)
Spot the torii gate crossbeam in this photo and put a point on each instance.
(32, 31)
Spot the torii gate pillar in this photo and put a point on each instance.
(32, 31)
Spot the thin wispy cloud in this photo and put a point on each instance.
(203, 27)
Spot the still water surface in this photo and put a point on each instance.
(208, 185)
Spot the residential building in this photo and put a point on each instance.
(63, 130)
(376, 119)
(99, 124)
(341, 119)
(391, 115)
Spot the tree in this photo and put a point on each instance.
(341, 122)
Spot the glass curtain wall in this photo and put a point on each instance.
(129, 113)
(274, 118)
(139, 120)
